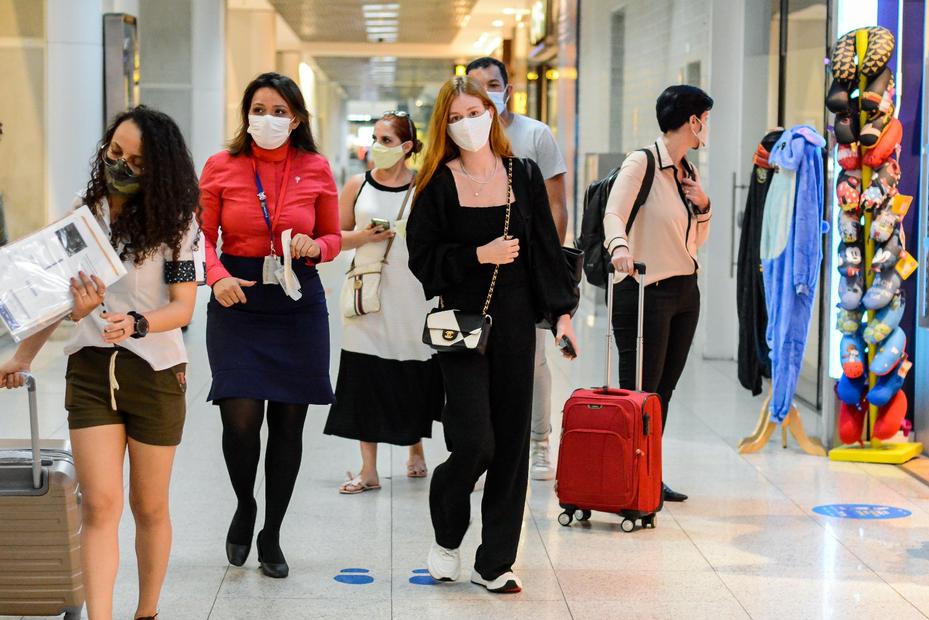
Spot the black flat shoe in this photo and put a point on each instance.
(275, 570)
(672, 496)
(237, 552)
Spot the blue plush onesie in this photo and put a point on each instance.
(790, 278)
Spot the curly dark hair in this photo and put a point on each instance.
(300, 138)
(170, 194)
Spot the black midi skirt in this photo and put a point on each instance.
(272, 347)
(386, 401)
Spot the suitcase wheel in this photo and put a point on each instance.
(566, 518)
(582, 515)
(650, 522)
(628, 525)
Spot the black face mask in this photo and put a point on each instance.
(119, 178)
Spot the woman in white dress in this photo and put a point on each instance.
(389, 388)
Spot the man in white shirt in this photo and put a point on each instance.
(533, 139)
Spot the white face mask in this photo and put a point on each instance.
(703, 135)
(269, 132)
(471, 133)
(386, 156)
(499, 99)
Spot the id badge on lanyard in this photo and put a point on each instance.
(271, 263)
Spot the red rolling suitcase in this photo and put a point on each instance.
(610, 454)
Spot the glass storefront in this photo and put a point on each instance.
(803, 84)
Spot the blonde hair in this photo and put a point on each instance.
(441, 148)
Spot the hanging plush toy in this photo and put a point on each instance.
(848, 191)
(882, 290)
(848, 321)
(852, 283)
(886, 320)
(884, 181)
(887, 254)
(845, 70)
(878, 96)
(872, 141)
(849, 157)
(885, 146)
(849, 227)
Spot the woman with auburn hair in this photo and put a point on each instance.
(480, 214)
(267, 334)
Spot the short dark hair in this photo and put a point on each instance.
(487, 62)
(678, 103)
(300, 138)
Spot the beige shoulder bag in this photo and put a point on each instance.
(361, 295)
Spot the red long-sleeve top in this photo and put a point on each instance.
(228, 195)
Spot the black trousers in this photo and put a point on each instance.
(672, 309)
(486, 420)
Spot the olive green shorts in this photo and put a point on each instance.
(150, 404)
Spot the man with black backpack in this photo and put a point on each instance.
(657, 213)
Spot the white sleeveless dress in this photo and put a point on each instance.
(389, 388)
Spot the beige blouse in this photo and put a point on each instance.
(666, 233)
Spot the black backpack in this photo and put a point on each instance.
(596, 259)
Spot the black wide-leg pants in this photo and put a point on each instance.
(487, 417)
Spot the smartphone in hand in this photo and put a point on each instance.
(566, 348)
(383, 224)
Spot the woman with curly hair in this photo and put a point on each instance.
(268, 342)
(126, 373)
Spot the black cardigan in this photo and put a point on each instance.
(440, 263)
(754, 359)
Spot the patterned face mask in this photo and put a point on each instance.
(119, 178)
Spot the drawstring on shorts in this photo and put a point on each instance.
(114, 384)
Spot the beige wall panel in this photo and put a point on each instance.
(22, 18)
(22, 148)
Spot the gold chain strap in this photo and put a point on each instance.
(506, 231)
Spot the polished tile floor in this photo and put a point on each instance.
(747, 544)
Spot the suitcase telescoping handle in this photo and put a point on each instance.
(34, 431)
(610, 336)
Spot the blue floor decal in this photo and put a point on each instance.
(354, 576)
(421, 577)
(861, 511)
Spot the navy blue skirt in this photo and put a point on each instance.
(272, 347)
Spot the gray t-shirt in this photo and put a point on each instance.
(533, 139)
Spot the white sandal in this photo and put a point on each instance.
(355, 485)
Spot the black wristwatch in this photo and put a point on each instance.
(141, 325)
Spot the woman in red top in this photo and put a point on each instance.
(267, 341)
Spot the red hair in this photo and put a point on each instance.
(442, 149)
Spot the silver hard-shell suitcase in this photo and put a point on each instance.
(40, 528)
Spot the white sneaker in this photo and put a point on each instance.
(507, 583)
(444, 564)
(541, 467)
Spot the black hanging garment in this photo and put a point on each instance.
(754, 360)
